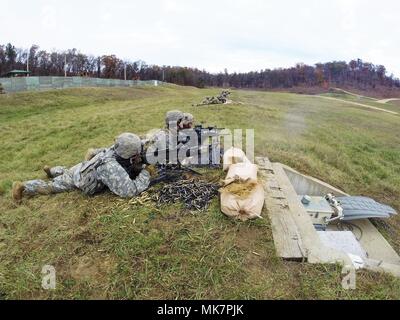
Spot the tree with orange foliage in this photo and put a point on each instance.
(110, 63)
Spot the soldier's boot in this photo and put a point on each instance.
(33, 188)
(47, 170)
(17, 191)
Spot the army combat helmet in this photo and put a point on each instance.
(127, 145)
(174, 116)
(183, 120)
(187, 121)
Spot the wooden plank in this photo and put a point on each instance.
(284, 230)
(295, 236)
(310, 240)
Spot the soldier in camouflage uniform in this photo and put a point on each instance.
(175, 118)
(175, 121)
(104, 170)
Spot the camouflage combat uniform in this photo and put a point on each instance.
(175, 120)
(102, 171)
(161, 139)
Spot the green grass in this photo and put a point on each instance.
(395, 104)
(105, 247)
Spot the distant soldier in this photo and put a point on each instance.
(223, 97)
(106, 169)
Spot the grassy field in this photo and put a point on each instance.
(105, 247)
(396, 104)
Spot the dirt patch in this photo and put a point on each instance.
(247, 238)
(91, 268)
(87, 237)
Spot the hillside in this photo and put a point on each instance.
(105, 247)
(371, 79)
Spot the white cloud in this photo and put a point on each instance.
(239, 35)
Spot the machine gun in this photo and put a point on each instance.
(213, 147)
(171, 172)
(201, 146)
(214, 131)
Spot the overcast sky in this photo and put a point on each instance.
(211, 34)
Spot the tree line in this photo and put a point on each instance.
(356, 73)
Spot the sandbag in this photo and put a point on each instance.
(243, 196)
(232, 156)
(242, 207)
(245, 172)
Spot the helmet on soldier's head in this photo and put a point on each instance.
(127, 145)
(187, 121)
(174, 116)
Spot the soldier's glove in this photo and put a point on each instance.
(90, 154)
(153, 171)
